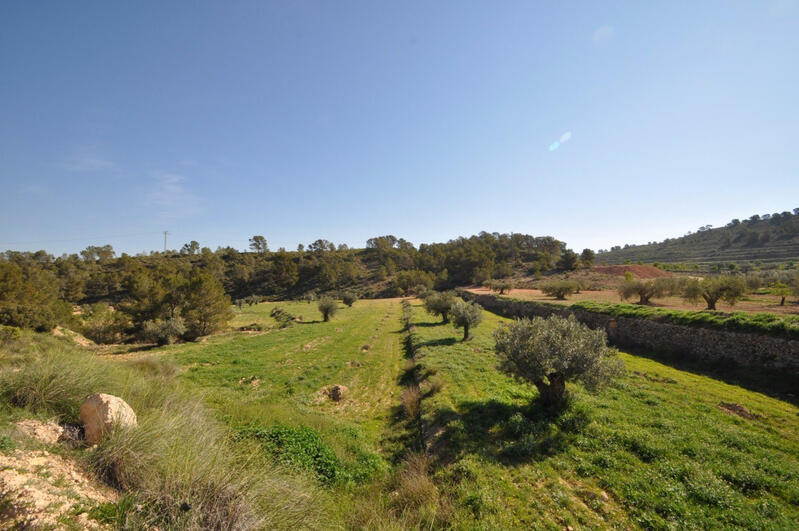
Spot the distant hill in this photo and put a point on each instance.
(770, 238)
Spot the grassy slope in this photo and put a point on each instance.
(765, 241)
(657, 444)
(294, 363)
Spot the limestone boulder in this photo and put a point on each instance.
(100, 412)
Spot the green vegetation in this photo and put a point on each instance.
(659, 448)
(429, 434)
(179, 454)
(550, 352)
(560, 289)
(349, 298)
(762, 323)
(770, 238)
(712, 289)
(440, 304)
(466, 315)
(328, 308)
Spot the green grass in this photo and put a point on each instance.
(654, 450)
(780, 325)
(762, 323)
(656, 443)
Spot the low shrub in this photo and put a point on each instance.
(560, 289)
(163, 332)
(103, 325)
(299, 448)
(9, 333)
(284, 319)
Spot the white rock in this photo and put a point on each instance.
(100, 412)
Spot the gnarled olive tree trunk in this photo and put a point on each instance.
(554, 392)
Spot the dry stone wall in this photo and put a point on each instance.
(743, 349)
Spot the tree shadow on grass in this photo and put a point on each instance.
(444, 341)
(776, 383)
(428, 324)
(507, 433)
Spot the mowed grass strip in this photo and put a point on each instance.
(277, 376)
(660, 448)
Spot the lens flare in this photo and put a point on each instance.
(554, 145)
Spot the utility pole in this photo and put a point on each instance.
(165, 233)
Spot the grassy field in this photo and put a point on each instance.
(656, 450)
(661, 448)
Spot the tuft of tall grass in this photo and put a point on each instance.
(180, 464)
(412, 401)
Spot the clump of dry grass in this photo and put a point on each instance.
(412, 401)
(155, 367)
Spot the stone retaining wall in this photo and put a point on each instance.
(744, 349)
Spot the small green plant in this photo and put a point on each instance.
(284, 319)
(300, 448)
(6, 444)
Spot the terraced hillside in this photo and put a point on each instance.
(771, 238)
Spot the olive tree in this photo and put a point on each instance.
(559, 289)
(643, 289)
(726, 288)
(328, 307)
(550, 352)
(466, 315)
(440, 304)
(349, 298)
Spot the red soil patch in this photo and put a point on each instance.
(638, 271)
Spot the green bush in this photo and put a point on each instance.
(103, 325)
(300, 448)
(349, 298)
(9, 333)
(163, 332)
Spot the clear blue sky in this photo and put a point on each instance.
(427, 120)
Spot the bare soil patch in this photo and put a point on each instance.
(738, 410)
(39, 489)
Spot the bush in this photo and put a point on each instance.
(466, 315)
(412, 399)
(328, 307)
(300, 448)
(163, 332)
(349, 298)
(9, 333)
(283, 318)
(550, 352)
(560, 289)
